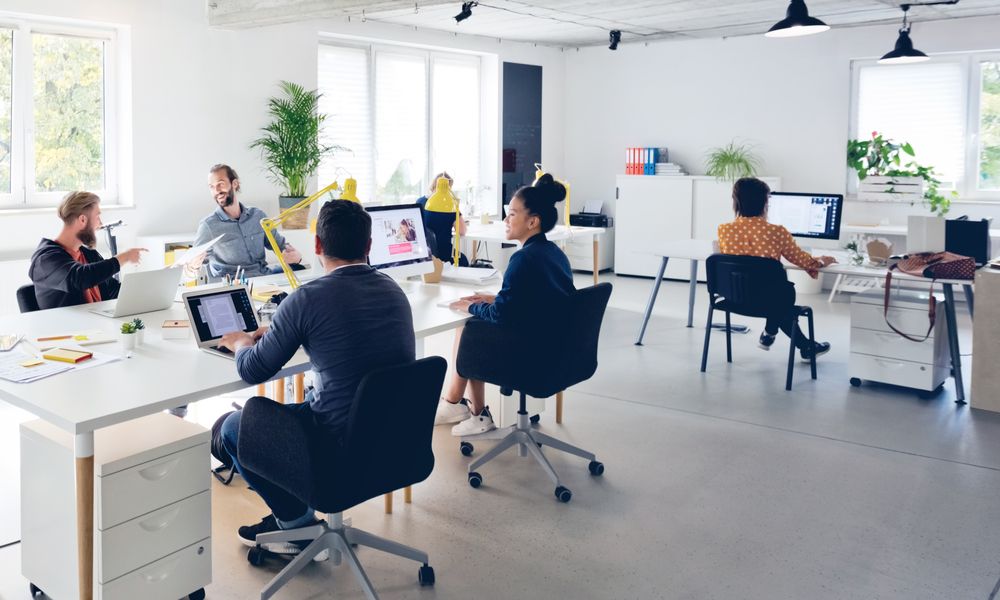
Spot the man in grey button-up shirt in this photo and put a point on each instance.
(244, 241)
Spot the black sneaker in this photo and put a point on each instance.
(818, 350)
(248, 535)
(766, 341)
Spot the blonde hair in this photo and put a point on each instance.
(76, 204)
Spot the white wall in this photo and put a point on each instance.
(790, 97)
(198, 98)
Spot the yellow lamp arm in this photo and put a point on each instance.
(270, 225)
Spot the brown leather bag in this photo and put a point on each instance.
(933, 266)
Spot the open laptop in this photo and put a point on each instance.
(143, 292)
(217, 311)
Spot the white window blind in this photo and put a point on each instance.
(400, 126)
(923, 104)
(344, 82)
(455, 123)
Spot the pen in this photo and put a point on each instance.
(53, 338)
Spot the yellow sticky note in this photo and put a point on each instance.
(80, 338)
(32, 363)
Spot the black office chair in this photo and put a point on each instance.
(26, 301)
(567, 356)
(378, 455)
(746, 285)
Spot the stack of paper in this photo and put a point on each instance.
(467, 274)
(669, 168)
(21, 368)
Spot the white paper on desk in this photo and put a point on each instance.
(467, 274)
(98, 359)
(11, 369)
(593, 206)
(183, 257)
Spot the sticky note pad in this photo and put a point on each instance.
(80, 338)
(32, 363)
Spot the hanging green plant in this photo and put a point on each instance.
(732, 161)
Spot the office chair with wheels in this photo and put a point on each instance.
(502, 357)
(26, 301)
(747, 285)
(375, 456)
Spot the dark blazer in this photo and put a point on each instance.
(60, 281)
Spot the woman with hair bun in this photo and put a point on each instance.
(535, 286)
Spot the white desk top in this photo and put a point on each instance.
(494, 232)
(889, 230)
(161, 373)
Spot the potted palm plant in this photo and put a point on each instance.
(291, 145)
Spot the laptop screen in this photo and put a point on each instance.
(218, 313)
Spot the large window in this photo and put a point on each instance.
(403, 115)
(56, 113)
(948, 109)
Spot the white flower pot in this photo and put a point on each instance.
(128, 341)
(140, 337)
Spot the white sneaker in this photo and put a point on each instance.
(475, 424)
(448, 412)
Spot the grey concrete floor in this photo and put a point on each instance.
(718, 485)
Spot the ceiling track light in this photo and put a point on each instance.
(615, 37)
(904, 53)
(797, 22)
(466, 11)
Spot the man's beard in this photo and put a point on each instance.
(87, 237)
(228, 200)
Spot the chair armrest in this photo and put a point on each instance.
(274, 444)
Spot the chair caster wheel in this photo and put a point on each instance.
(34, 590)
(475, 479)
(256, 556)
(426, 575)
(855, 382)
(535, 419)
(466, 448)
(596, 468)
(563, 494)
(197, 595)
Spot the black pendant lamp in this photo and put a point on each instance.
(904, 53)
(797, 22)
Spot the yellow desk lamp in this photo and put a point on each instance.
(538, 175)
(350, 190)
(443, 201)
(270, 225)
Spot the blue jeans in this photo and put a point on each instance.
(289, 511)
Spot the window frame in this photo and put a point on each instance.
(966, 186)
(429, 55)
(22, 195)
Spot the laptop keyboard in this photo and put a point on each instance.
(222, 349)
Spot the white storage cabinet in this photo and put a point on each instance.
(152, 510)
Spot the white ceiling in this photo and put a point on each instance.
(574, 23)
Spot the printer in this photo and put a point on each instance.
(586, 219)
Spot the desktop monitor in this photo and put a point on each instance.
(814, 216)
(399, 241)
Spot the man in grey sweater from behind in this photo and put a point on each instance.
(350, 322)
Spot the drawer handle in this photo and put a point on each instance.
(886, 363)
(162, 572)
(157, 472)
(158, 522)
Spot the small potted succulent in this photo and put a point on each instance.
(140, 331)
(128, 336)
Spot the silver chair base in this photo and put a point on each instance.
(337, 538)
(528, 441)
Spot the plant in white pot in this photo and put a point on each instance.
(731, 162)
(292, 147)
(128, 336)
(884, 176)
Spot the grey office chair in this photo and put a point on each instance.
(376, 455)
(26, 301)
(502, 357)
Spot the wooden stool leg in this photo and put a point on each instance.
(279, 390)
(596, 253)
(408, 494)
(261, 390)
(300, 388)
(559, 399)
(388, 503)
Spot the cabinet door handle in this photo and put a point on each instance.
(160, 521)
(162, 572)
(157, 472)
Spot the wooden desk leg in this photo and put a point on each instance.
(475, 247)
(595, 260)
(559, 398)
(279, 390)
(388, 503)
(261, 390)
(408, 494)
(300, 388)
(84, 450)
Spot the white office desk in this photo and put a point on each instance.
(495, 232)
(161, 374)
(693, 250)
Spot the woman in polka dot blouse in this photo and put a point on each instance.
(751, 235)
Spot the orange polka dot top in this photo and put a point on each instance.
(754, 236)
